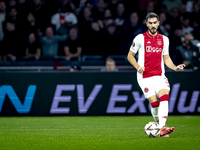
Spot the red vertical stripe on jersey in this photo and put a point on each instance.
(62, 19)
(153, 54)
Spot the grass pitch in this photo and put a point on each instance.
(95, 133)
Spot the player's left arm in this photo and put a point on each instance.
(168, 62)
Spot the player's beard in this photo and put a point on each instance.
(152, 32)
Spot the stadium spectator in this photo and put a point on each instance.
(174, 18)
(196, 31)
(120, 15)
(184, 53)
(41, 12)
(12, 3)
(70, 21)
(65, 6)
(164, 27)
(130, 30)
(190, 6)
(3, 15)
(163, 20)
(175, 40)
(131, 7)
(82, 4)
(196, 52)
(172, 3)
(91, 45)
(73, 45)
(65, 21)
(2, 19)
(108, 21)
(196, 11)
(85, 19)
(62, 18)
(162, 17)
(110, 66)
(111, 40)
(162, 8)
(108, 14)
(12, 42)
(186, 25)
(143, 4)
(85, 16)
(149, 8)
(13, 15)
(33, 48)
(50, 43)
(159, 7)
(31, 25)
(58, 19)
(112, 6)
(192, 39)
(182, 9)
(98, 12)
(23, 7)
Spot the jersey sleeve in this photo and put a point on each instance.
(55, 19)
(166, 46)
(135, 46)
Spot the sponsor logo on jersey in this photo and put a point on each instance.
(153, 49)
(133, 44)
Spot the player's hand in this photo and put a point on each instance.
(179, 67)
(140, 69)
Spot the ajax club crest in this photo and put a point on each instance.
(159, 42)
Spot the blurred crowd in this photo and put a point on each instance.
(46, 29)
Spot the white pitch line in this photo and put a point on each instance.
(25, 129)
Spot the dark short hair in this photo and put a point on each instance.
(151, 15)
(110, 59)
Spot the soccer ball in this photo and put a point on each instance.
(152, 129)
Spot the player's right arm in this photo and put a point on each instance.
(132, 60)
(131, 55)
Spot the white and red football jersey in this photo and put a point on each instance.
(150, 53)
(59, 19)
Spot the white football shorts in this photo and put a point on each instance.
(152, 85)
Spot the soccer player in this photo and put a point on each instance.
(153, 53)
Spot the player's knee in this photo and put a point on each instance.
(164, 98)
(155, 104)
